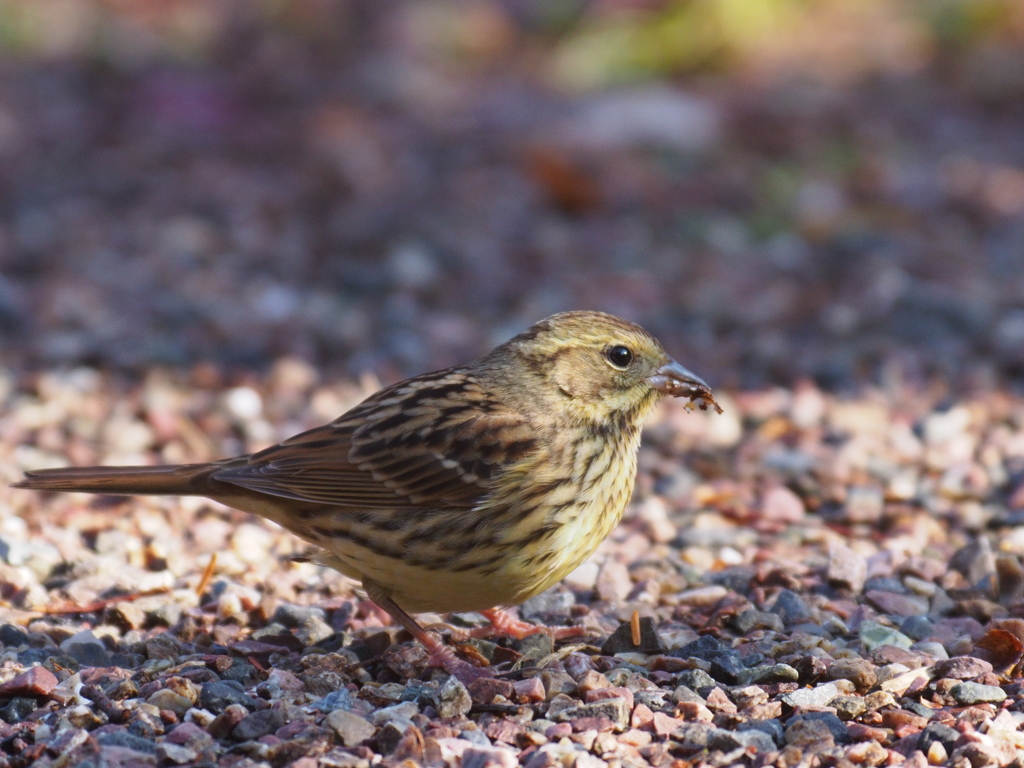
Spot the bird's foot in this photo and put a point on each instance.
(443, 657)
(506, 625)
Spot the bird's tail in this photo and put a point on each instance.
(176, 480)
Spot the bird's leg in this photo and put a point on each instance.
(504, 623)
(438, 654)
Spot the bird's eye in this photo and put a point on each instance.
(619, 356)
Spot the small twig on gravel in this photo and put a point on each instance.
(207, 575)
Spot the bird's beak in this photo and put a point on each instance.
(672, 379)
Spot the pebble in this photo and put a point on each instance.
(975, 693)
(752, 619)
(860, 672)
(219, 695)
(897, 605)
(351, 729)
(875, 635)
(846, 569)
(791, 607)
(552, 604)
(175, 754)
(818, 696)
(804, 733)
(565, 709)
(961, 668)
(621, 640)
(37, 681)
(453, 699)
(940, 733)
(257, 724)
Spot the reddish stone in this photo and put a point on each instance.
(859, 732)
(37, 682)
(694, 712)
(504, 730)
(663, 725)
(718, 701)
(609, 693)
(484, 689)
(600, 724)
(898, 718)
(642, 716)
(185, 733)
(530, 689)
(635, 738)
(896, 604)
(961, 667)
(669, 664)
(1003, 648)
(558, 731)
(767, 711)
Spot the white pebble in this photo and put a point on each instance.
(244, 403)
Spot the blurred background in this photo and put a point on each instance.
(781, 190)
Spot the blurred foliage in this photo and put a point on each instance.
(828, 39)
(573, 43)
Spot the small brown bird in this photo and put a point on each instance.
(459, 490)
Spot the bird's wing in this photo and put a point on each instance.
(438, 439)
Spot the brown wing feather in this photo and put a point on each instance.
(438, 439)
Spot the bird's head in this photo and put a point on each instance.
(603, 368)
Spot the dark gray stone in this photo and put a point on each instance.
(835, 726)
(772, 727)
(791, 608)
(12, 636)
(339, 699)
(705, 648)
(696, 680)
(751, 619)
(127, 740)
(938, 732)
(17, 709)
(217, 696)
(258, 724)
(726, 741)
(294, 615)
(89, 654)
(621, 640)
(917, 627)
(730, 669)
(976, 693)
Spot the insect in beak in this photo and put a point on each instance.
(675, 380)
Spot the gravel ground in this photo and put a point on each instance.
(802, 580)
(210, 248)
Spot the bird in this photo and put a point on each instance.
(471, 488)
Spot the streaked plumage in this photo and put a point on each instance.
(462, 489)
